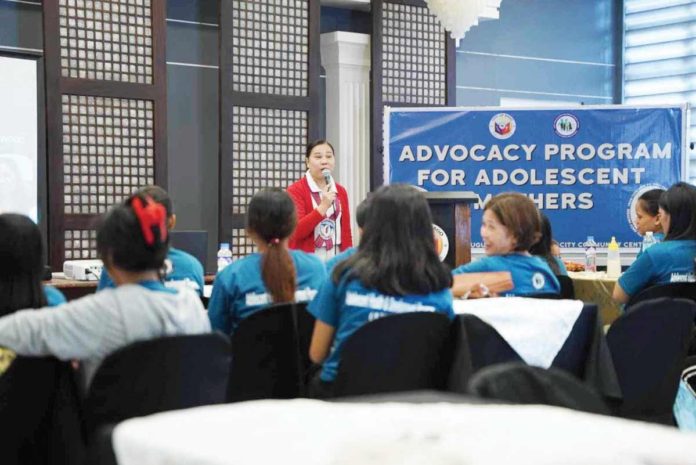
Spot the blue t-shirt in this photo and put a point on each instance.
(239, 290)
(666, 262)
(182, 269)
(562, 270)
(659, 237)
(53, 296)
(530, 274)
(348, 305)
(333, 261)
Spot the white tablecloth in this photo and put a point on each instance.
(308, 432)
(535, 328)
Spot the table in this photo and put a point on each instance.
(597, 287)
(310, 432)
(74, 289)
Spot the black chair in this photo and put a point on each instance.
(648, 346)
(673, 290)
(543, 295)
(523, 384)
(40, 420)
(404, 352)
(567, 287)
(270, 353)
(158, 375)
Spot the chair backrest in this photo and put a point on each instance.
(404, 352)
(157, 375)
(40, 420)
(674, 290)
(523, 384)
(648, 346)
(270, 353)
(543, 295)
(567, 287)
(576, 349)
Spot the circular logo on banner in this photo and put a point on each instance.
(538, 280)
(566, 125)
(631, 207)
(441, 242)
(502, 126)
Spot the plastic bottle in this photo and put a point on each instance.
(224, 256)
(648, 240)
(613, 259)
(590, 254)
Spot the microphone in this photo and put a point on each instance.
(327, 176)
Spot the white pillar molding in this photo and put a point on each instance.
(346, 58)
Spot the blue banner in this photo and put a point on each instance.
(583, 167)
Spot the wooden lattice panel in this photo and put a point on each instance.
(107, 40)
(271, 47)
(107, 151)
(80, 244)
(241, 245)
(414, 56)
(268, 151)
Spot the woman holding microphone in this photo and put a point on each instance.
(323, 218)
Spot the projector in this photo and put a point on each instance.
(83, 270)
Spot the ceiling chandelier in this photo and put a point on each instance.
(458, 16)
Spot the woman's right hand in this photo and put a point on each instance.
(327, 199)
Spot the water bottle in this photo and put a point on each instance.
(648, 240)
(224, 256)
(590, 254)
(613, 259)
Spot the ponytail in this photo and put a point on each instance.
(278, 273)
(271, 216)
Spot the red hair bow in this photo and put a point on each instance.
(150, 215)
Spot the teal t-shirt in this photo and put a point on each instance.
(53, 296)
(666, 262)
(349, 305)
(239, 290)
(530, 274)
(181, 269)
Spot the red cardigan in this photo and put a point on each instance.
(308, 218)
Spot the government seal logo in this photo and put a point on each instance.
(441, 242)
(566, 125)
(502, 126)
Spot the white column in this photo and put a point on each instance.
(346, 59)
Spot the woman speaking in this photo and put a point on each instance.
(323, 218)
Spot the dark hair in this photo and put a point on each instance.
(543, 247)
(159, 195)
(121, 240)
(679, 202)
(650, 201)
(519, 215)
(361, 212)
(21, 264)
(271, 216)
(397, 249)
(313, 144)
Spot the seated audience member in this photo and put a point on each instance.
(132, 241)
(180, 268)
(395, 270)
(360, 215)
(274, 275)
(510, 226)
(670, 261)
(21, 267)
(544, 248)
(648, 215)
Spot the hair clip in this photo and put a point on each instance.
(275, 240)
(150, 215)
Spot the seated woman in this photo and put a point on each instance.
(670, 261)
(395, 270)
(648, 215)
(544, 248)
(132, 242)
(274, 275)
(21, 266)
(510, 226)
